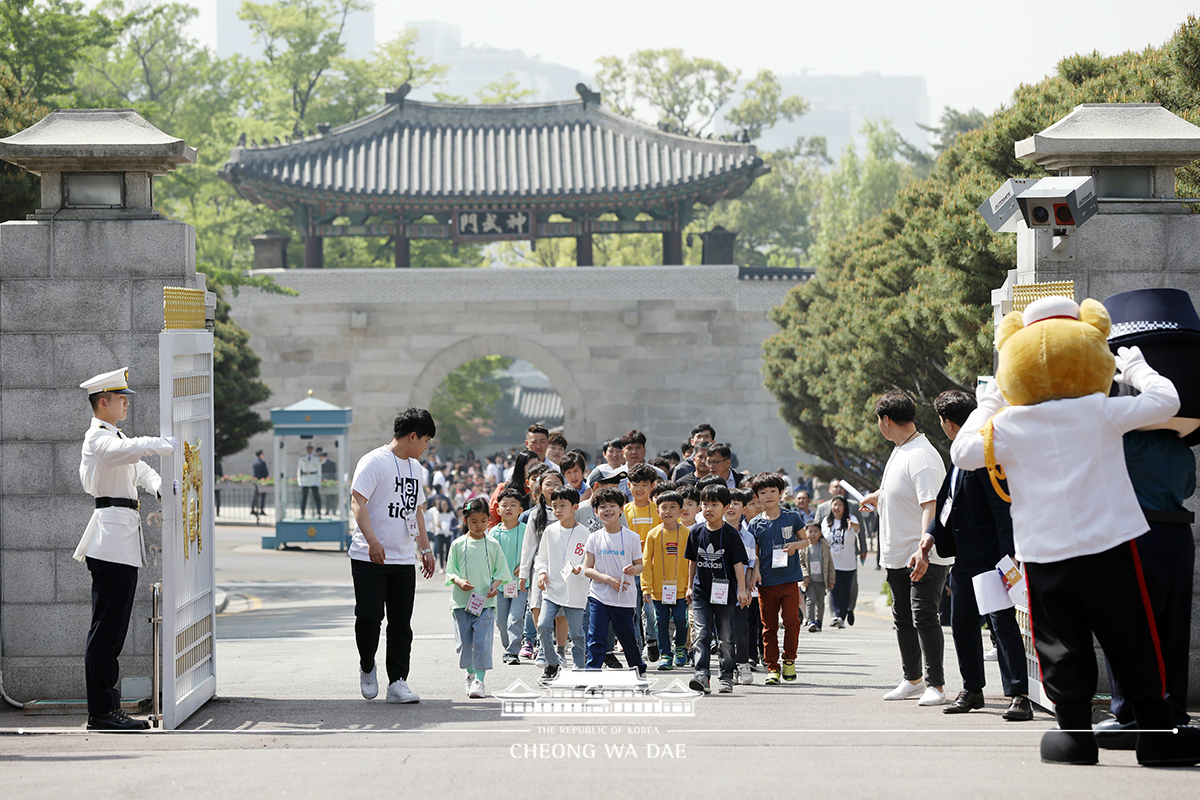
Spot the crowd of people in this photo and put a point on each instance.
(658, 564)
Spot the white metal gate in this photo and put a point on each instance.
(188, 676)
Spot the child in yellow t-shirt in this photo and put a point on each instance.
(664, 581)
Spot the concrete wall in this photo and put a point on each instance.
(1127, 247)
(76, 299)
(654, 348)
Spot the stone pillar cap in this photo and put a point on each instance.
(95, 140)
(1114, 135)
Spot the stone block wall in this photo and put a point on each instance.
(654, 348)
(76, 299)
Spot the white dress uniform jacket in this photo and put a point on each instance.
(308, 471)
(111, 466)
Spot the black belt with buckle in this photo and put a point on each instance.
(117, 502)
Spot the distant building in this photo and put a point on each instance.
(472, 68)
(841, 105)
(234, 36)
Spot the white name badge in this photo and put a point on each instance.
(814, 567)
(754, 592)
(511, 588)
(720, 591)
(945, 515)
(567, 570)
(669, 596)
(475, 604)
(779, 558)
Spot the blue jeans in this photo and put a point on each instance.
(574, 617)
(707, 617)
(510, 619)
(667, 614)
(623, 622)
(645, 613)
(473, 638)
(530, 628)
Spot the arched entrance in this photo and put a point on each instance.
(449, 359)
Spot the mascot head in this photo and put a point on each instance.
(1053, 350)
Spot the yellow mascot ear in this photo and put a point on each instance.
(1095, 314)
(1011, 323)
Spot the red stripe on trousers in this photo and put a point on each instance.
(1137, 568)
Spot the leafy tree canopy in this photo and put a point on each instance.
(464, 403)
(902, 300)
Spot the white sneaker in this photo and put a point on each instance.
(477, 689)
(369, 682)
(470, 683)
(744, 676)
(398, 692)
(932, 697)
(991, 655)
(906, 691)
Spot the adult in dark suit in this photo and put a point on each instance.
(260, 471)
(701, 433)
(720, 461)
(973, 524)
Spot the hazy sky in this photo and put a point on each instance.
(971, 53)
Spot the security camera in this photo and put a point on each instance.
(1000, 210)
(1061, 204)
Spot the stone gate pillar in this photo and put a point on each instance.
(81, 292)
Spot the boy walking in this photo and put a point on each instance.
(666, 568)
(779, 537)
(716, 567)
(819, 576)
(641, 516)
(510, 603)
(558, 572)
(613, 556)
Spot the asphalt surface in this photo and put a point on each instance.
(289, 720)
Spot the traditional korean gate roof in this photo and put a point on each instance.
(412, 158)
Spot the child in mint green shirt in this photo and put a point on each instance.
(511, 601)
(476, 568)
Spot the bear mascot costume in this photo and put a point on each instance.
(1049, 426)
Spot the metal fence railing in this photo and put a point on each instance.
(249, 504)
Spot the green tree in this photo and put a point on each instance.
(236, 388)
(903, 299)
(301, 43)
(40, 42)
(686, 93)
(506, 91)
(20, 191)
(463, 404)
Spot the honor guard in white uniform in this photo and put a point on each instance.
(111, 471)
(308, 475)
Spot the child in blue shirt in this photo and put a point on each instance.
(511, 602)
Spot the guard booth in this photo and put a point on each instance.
(295, 427)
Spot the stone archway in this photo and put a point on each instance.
(454, 356)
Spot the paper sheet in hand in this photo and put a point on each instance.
(850, 490)
(990, 592)
(1013, 580)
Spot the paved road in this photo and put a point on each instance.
(289, 720)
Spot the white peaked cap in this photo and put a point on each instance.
(1048, 308)
(115, 381)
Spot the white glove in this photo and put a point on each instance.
(175, 487)
(1131, 366)
(171, 440)
(990, 397)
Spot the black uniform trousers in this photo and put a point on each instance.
(1168, 556)
(968, 641)
(113, 588)
(1102, 594)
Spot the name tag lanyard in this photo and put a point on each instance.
(476, 601)
(670, 597)
(568, 567)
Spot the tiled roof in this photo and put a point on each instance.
(414, 157)
(537, 404)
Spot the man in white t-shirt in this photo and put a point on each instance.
(389, 538)
(906, 500)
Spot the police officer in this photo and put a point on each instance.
(111, 471)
